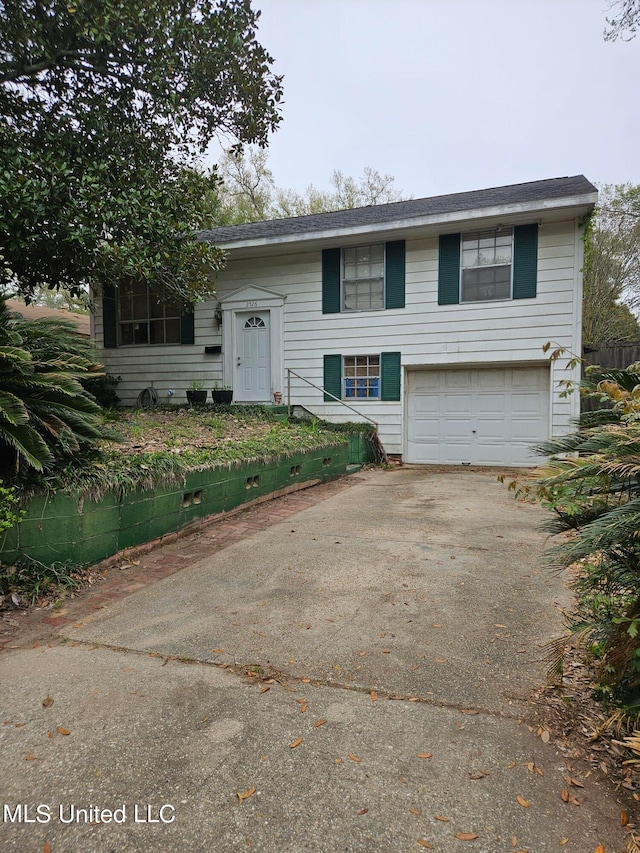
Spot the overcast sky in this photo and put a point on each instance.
(452, 95)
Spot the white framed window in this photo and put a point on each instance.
(486, 268)
(145, 317)
(363, 278)
(361, 377)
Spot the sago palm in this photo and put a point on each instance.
(44, 410)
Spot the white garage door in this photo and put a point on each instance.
(479, 416)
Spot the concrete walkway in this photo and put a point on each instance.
(361, 669)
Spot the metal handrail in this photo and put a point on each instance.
(291, 373)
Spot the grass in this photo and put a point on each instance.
(161, 446)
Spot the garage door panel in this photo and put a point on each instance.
(527, 406)
(493, 378)
(456, 379)
(481, 416)
(491, 404)
(457, 404)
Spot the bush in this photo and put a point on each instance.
(592, 485)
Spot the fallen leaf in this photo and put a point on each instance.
(217, 651)
(459, 725)
(565, 795)
(441, 660)
(514, 841)
(62, 731)
(19, 725)
(362, 654)
(47, 702)
(442, 818)
(425, 755)
(303, 708)
(386, 651)
(363, 811)
(544, 737)
(498, 625)
(246, 795)
(563, 841)
(265, 689)
(305, 680)
(470, 711)
(49, 734)
(600, 848)
(29, 756)
(319, 723)
(466, 836)
(296, 742)
(374, 696)
(539, 770)
(624, 818)
(354, 757)
(46, 848)
(415, 811)
(337, 761)
(524, 803)
(424, 843)
(205, 719)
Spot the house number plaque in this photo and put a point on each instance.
(252, 304)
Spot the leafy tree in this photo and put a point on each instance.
(612, 267)
(104, 105)
(248, 192)
(45, 413)
(626, 22)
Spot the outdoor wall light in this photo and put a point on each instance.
(217, 315)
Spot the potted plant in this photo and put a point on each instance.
(222, 395)
(196, 392)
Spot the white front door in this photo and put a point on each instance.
(252, 383)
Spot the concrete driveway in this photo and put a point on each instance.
(362, 670)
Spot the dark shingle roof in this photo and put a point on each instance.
(548, 190)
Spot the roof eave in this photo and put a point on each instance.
(579, 203)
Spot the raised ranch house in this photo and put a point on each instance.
(429, 316)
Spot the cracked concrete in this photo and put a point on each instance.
(407, 612)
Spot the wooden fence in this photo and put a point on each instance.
(616, 356)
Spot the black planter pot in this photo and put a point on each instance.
(196, 397)
(222, 396)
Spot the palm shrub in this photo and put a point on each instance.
(45, 413)
(592, 484)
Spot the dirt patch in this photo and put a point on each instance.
(183, 429)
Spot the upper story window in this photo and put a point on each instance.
(486, 265)
(145, 317)
(363, 278)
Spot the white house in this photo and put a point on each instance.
(428, 316)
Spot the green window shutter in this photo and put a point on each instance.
(525, 261)
(449, 270)
(331, 281)
(187, 333)
(394, 274)
(332, 381)
(109, 317)
(390, 376)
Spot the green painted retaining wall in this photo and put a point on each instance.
(62, 527)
